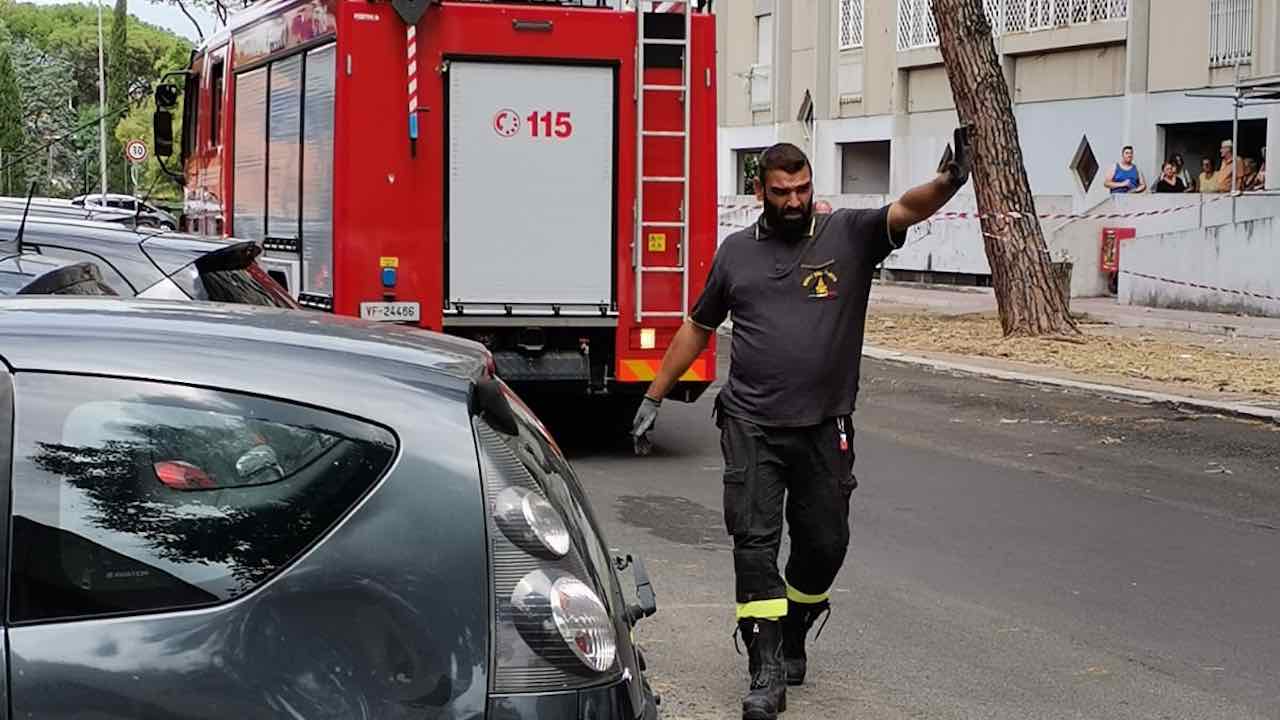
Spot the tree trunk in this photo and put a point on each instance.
(1026, 291)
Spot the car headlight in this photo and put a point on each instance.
(529, 520)
(541, 600)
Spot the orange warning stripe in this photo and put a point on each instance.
(646, 370)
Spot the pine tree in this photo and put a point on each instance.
(13, 137)
(117, 95)
(1027, 294)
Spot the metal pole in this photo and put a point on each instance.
(1235, 138)
(638, 201)
(102, 111)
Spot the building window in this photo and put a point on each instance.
(851, 24)
(864, 168)
(761, 87)
(1084, 165)
(1230, 32)
(748, 168)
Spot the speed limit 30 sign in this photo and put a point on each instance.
(136, 151)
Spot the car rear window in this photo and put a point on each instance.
(135, 496)
(233, 275)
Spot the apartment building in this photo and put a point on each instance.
(860, 84)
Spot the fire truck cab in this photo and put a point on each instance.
(517, 173)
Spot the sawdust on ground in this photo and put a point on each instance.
(1097, 353)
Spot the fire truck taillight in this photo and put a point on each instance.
(648, 338)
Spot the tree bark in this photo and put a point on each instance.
(1026, 291)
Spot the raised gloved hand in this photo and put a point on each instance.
(646, 418)
(957, 161)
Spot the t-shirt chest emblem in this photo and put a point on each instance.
(821, 280)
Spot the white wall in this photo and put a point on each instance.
(1239, 256)
(832, 133)
(1050, 132)
(731, 139)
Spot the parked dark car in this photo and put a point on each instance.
(245, 512)
(147, 214)
(64, 210)
(167, 265)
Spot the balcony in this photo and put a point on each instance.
(851, 24)
(1230, 32)
(916, 27)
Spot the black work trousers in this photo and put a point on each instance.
(807, 473)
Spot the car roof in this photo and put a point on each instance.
(307, 356)
(52, 208)
(75, 223)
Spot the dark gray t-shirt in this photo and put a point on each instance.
(799, 308)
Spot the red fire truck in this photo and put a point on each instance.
(517, 173)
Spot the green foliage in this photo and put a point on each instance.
(152, 181)
(48, 112)
(54, 51)
(13, 134)
(750, 169)
(71, 31)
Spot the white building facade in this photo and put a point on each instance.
(860, 84)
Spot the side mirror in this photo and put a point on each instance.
(162, 121)
(162, 128)
(166, 96)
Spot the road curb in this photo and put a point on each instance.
(1241, 410)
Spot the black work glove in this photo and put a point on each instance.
(646, 418)
(958, 163)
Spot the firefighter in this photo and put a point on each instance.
(796, 284)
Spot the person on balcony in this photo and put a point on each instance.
(1125, 177)
(1252, 179)
(1208, 180)
(1230, 167)
(1180, 165)
(1169, 181)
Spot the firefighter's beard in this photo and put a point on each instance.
(790, 224)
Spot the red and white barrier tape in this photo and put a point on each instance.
(1200, 286)
(1016, 215)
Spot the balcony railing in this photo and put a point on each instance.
(1230, 32)
(916, 28)
(851, 27)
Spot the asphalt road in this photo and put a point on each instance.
(1017, 553)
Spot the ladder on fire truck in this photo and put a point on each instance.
(643, 135)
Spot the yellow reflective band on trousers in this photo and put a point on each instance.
(763, 609)
(795, 595)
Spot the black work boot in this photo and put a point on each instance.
(795, 629)
(768, 694)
